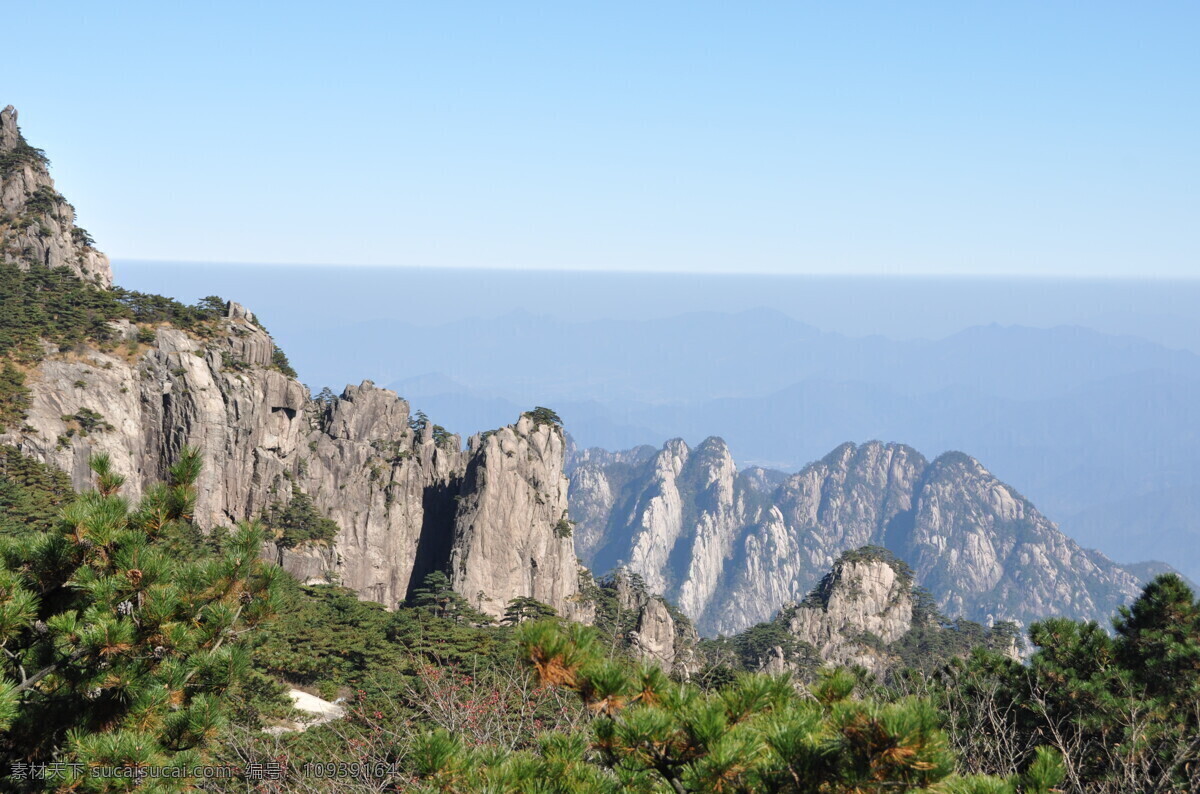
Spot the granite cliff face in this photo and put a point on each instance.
(731, 547)
(37, 225)
(511, 533)
(406, 502)
(406, 497)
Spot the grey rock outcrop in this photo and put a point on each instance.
(37, 225)
(657, 636)
(868, 612)
(405, 500)
(730, 549)
(861, 607)
(654, 639)
(511, 534)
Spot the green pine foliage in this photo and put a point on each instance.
(279, 361)
(124, 637)
(31, 494)
(14, 396)
(327, 639)
(544, 416)
(648, 734)
(21, 155)
(55, 305)
(418, 423)
(298, 522)
(51, 304)
(523, 608)
(1123, 709)
(437, 596)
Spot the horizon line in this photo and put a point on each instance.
(656, 272)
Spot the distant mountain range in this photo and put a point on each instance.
(730, 547)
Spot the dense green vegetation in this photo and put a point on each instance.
(14, 397)
(1123, 709)
(31, 493)
(551, 707)
(124, 630)
(56, 306)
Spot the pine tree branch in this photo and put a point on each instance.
(45, 671)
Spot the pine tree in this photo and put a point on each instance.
(123, 629)
(436, 595)
(1160, 639)
(299, 522)
(524, 608)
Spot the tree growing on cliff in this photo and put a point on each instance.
(123, 630)
(298, 522)
(524, 608)
(544, 416)
(438, 596)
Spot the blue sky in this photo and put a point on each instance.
(889, 138)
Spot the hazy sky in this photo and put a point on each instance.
(1016, 137)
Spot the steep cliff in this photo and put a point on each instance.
(512, 536)
(731, 547)
(405, 498)
(37, 225)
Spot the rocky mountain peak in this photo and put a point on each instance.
(10, 133)
(864, 603)
(730, 547)
(37, 225)
(656, 636)
(512, 533)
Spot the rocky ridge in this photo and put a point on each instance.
(731, 547)
(860, 598)
(512, 514)
(406, 497)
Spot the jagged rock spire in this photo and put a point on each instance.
(10, 135)
(37, 225)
